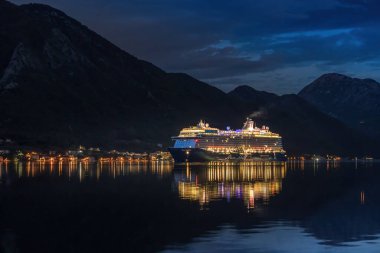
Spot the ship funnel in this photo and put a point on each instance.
(202, 124)
(249, 124)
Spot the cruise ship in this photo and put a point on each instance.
(202, 143)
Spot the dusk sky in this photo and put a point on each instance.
(272, 45)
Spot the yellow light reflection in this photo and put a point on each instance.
(249, 181)
(83, 169)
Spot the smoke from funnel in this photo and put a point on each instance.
(257, 114)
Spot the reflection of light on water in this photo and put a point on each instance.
(204, 193)
(362, 197)
(251, 203)
(60, 165)
(81, 170)
(325, 164)
(161, 168)
(249, 181)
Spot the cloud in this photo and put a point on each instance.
(273, 45)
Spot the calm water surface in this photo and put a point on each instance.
(218, 207)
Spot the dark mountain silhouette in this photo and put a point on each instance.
(352, 100)
(63, 85)
(303, 127)
(251, 95)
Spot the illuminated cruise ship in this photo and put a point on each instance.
(203, 143)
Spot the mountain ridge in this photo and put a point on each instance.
(354, 101)
(64, 85)
(306, 126)
(83, 79)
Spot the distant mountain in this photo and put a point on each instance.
(248, 94)
(304, 128)
(63, 85)
(354, 101)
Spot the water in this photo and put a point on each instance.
(219, 207)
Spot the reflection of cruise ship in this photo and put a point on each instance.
(250, 181)
(204, 143)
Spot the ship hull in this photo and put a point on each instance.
(198, 155)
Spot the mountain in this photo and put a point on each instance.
(354, 101)
(62, 85)
(303, 127)
(248, 94)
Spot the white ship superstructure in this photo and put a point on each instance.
(250, 139)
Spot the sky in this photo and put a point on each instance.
(273, 45)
